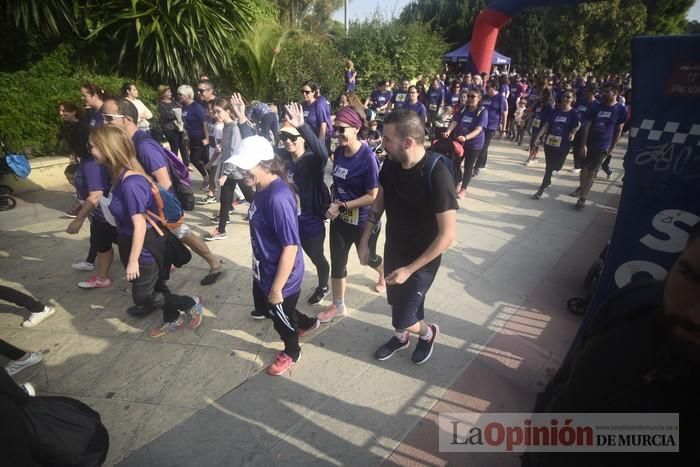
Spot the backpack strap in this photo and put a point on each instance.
(156, 196)
(432, 159)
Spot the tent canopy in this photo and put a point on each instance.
(461, 54)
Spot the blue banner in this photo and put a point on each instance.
(661, 194)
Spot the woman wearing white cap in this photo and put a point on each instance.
(278, 265)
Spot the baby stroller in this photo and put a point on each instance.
(13, 164)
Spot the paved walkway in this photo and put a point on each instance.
(202, 398)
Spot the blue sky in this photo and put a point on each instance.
(361, 9)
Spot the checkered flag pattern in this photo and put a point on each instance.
(668, 131)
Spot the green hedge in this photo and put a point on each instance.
(29, 118)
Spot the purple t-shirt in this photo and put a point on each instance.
(91, 176)
(317, 113)
(132, 195)
(495, 105)
(561, 124)
(418, 108)
(349, 81)
(98, 119)
(468, 121)
(274, 225)
(452, 98)
(399, 99)
(582, 107)
(353, 177)
(379, 98)
(540, 116)
(194, 116)
(604, 120)
(150, 154)
(434, 99)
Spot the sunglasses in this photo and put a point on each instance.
(111, 117)
(306, 91)
(340, 129)
(287, 137)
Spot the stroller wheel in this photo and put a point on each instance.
(5, 190)
(7, 202)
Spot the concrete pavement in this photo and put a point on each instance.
(201, 397)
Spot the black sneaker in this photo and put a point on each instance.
(212, 277)
(608, 172)
(424, 349)
(255, 314)
(318, 295)
(390, 348)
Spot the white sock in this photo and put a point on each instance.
(339, 305)
(401, 335)
(428, 335)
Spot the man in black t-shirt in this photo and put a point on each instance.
(420, 226)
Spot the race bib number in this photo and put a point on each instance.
(350, 216)
(306, 114)
(467, 119)
(256, 269)
(340, 172)
(432, 107)
(553, 141)
(400, 98)
(535, 123)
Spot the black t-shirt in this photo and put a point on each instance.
(411, 208)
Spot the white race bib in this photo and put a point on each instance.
(340, 172)
(400, 97)
(553, 141)
(432, 107)
(535, 123)
(350, 216)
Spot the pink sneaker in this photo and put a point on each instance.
(95, 283)
(303, 332)
(328, 314)
(283, 363)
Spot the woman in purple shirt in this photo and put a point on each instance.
(278, 265)
(355, 186)
(316, 112)
(350, 76)
(141, 237)
(468, 127)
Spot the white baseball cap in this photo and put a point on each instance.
(251, 152)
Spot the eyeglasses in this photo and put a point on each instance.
(472, 97)
(284, 136)
(340, 129)
(201, 91)
(111, 117)
(568, 97)
(306, 91)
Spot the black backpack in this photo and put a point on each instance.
(431, 160)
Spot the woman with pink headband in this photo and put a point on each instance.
(355, 186)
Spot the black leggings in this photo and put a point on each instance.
(470, 157)
(10, 351)
(343, 236)
(313, 247)
(481, 162)
(199, 155)
(286, 319)
(20, 299)
(176, 139)
(149, 291)
(554, 160)
(227, 190)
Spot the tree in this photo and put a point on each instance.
(453, 19)
(161, 40)
(693, 27)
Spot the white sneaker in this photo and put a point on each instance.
(83, 266)
(576, 171)
(29, 389)
(36, 318)
(15, 366)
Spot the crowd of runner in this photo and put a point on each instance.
(132, 173)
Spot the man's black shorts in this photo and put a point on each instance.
(594, 159)
(407, 300)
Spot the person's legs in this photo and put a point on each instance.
(591, 165)
(92, 255)
(184, 152)
(10, 351)
(20, 299)
(226, 198)
(457, 164)
(260, 303)
(481, 163)
(548, 169)
(470, 157)
(197, 245)
(288, 322)
(197, 157)
(340, 242)
(313, 247)
(173, 140)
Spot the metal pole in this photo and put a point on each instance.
(346, 18)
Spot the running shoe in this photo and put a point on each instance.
(36, 318)
(319, 294)
(194, 314)
(95, 283)
(167, 328)
(424, 348)
(15, 366)
(83, 266)
(537, 195)
(282, 363)
(575, 193)
(390, 348)
(212, 276)
(216, 235)
(303, 332)
(255, 314)
(580, 204)
(475, 173)
(327, 315)
(576, 171)
(29, 389)
(608, 172)
(209, 200)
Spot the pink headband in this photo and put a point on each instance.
(349, 117)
